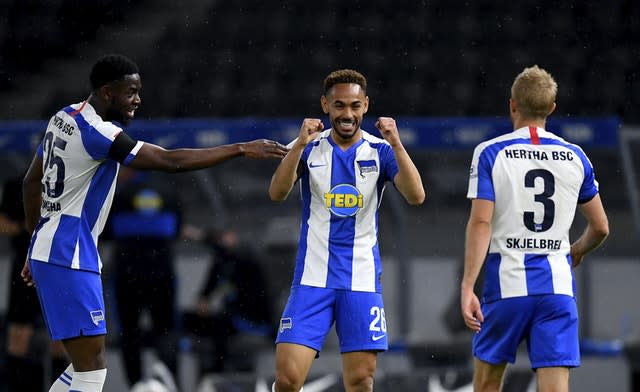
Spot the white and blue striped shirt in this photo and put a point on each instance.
(341, 192)
(535, 179)
(78, 184)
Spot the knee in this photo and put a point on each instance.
(359, 381)
(288, 383)
(93, 361)
(487, 385)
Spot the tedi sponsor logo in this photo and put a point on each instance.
(344, 200)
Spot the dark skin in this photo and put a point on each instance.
(118, 101)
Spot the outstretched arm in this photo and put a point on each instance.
(594, 234)
(408, 180)
(152, 157)
(477, 240)
(286, 173)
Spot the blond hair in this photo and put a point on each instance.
(534, 92)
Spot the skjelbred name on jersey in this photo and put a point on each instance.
(533, 243)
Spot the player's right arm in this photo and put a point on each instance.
(594, 234)
(31, 199)
(153, 157)
(287, 171)
(478, 236)
(32, 193)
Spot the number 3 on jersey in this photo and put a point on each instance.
(48, 145)
(544, 198)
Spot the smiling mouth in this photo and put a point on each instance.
(347, 125)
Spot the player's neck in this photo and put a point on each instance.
(97, 105)
(521, 123)
(343, 143)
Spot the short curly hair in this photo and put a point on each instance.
(345, 76)
(111, 67)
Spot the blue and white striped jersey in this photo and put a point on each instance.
(535, 179)
(341, 192)
(77, 187)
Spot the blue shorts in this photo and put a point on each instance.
(548, 323)
(71, 300)
(311, 311)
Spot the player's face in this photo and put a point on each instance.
(346, 104)
(124, 99)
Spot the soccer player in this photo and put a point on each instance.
(68, 191)
(524, 187)
(337, 278)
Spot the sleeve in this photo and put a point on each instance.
(97, 140)
(304, 158)
(480, 181)
(589, 187)
(388, 162)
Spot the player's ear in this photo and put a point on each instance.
(366, 104)
(512, 105)
(105, 92)
(553, 107)
(325, 104)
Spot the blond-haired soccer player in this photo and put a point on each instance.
(524, 187)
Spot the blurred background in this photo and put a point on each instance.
(217, 72)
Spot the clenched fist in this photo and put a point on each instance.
(388, 130)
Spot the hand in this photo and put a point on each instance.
(576, 258)
(388, 130)
(309, 130)
(471, 311)
(26, 274)
(263, 148)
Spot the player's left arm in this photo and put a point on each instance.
(408, 180)
(594, 234)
